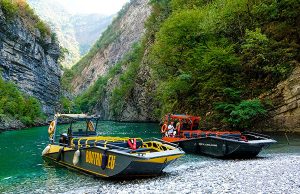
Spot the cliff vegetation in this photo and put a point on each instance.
(17, 105)
(19, 8)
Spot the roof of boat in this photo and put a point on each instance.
(183, 116)
(76, 116)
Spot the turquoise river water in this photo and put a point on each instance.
(22, 169)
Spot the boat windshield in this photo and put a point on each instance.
(82, 128)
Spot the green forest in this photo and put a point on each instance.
(15, 104)
(212, 58)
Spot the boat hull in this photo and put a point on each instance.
(110, 163)
(222, 147)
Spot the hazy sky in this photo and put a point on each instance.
(106, 7)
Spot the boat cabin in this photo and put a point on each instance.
(188, 126)
(80, 125)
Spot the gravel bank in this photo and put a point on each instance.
(271, 174)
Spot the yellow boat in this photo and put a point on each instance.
(103, 156)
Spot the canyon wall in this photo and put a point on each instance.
(29, 60)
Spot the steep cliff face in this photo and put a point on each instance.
(30, 60)
(138, 103)
(128, 30)
(286, 100)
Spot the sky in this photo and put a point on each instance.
(105, 7)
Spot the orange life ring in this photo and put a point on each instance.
(164, 128)
(51, 128)
(91, 126)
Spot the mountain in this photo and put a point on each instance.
(218, 59)
(28, 59)
(76, 33)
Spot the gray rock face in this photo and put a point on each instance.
(30, 62)
(139, 105)
(286, 100)
(131, 28)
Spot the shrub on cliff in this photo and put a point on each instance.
(18, 105)
(11, 9)
(238, 113)
(204, 47)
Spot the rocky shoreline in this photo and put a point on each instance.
(272, 173)
(9, 124)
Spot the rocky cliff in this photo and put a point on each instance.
(29, 59)
(285, 116)
(128, 29)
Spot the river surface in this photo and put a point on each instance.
(22, 169)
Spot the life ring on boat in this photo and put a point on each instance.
(91, 126)
(164, 128)
(132, 143)
(51, 128)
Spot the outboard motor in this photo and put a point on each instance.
(64, 140)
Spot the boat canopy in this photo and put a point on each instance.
(76, 116)
(182, 116)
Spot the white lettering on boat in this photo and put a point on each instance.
(208, 145)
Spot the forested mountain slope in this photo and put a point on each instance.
(210, 58)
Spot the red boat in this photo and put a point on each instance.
(184, 131)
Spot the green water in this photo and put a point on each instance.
(20, 151)
(23, 170)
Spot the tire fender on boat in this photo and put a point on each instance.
(46, 150)
(60, 153)
(104, 160)
(76, 157)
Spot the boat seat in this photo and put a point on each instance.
(231, 136)
(195, 135)
(187, 135)
(84, 143)
(138, 150)
(119, 144)
(212, 135)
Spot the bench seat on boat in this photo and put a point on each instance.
(231, 136)
(85, 142)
